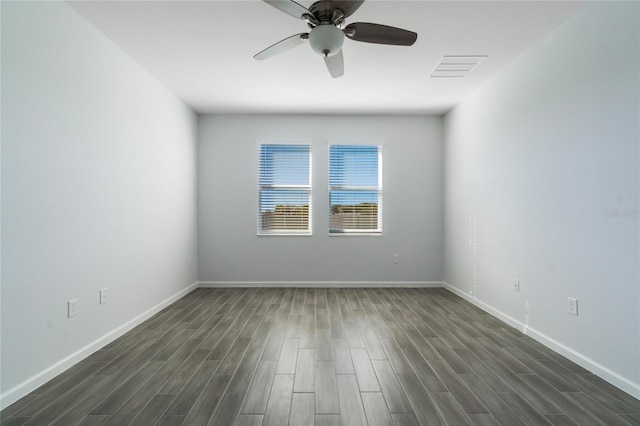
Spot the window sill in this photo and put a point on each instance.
(285, 234)
(355, 234)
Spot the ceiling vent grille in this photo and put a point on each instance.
(456, 66)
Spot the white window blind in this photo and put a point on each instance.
(355, 189)
(284, 189)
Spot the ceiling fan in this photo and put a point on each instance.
(326, 21)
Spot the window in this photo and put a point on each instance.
(355, 189)
(284, 189)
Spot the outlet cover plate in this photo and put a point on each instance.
(103, 296)
(572, 306)
(72, 308)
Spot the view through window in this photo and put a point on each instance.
(284, 189)
(355, 189)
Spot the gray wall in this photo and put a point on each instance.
(98, 177)
(538, 164)
(230, 250)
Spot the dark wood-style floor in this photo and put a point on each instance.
(325, 357)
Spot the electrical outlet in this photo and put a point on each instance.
(572, 306)
(103, 296)
(396, 258)
(72, 308)
(516, 285)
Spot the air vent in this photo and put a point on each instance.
(456, 66)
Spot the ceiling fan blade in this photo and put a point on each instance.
(289, 7)
(347, 6)
(335, 64)
(381, 34)
(282, 45)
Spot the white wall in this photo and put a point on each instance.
(536, 162)
(229, 249)
(98, 177)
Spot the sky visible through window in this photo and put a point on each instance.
(353, 166)
(284, 165)
(349, 166)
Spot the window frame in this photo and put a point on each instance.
(260, 187)
(379, 188)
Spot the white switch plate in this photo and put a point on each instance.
(572, 306)
(396, 258)
(72, 308)
(516, 285)
(103, 296)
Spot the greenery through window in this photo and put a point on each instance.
(284, 189)
(355, 189)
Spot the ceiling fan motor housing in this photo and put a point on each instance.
(326, 39)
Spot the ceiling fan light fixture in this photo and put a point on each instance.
(326, 39)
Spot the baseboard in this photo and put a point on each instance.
(349, 284)
(29, 385)
(32, 383)
(605, 373)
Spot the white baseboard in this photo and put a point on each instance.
(605, 373)
(350, 284)
(29, 385)
(32, 383)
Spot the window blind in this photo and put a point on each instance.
(355, 189)
(284, 189)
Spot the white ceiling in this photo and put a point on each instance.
(203, 52)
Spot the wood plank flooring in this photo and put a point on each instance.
(315, 356)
